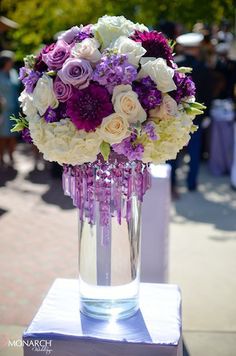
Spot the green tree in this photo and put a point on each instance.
(39, 20)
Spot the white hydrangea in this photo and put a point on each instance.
(173, 135)
(63, 143)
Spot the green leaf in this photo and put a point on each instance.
(51, 73)
(172, 43)
(105, 150)
(197, 105)
(30, 61)
(184, 69)
(18, 127)
(193, 111)
(20, 123)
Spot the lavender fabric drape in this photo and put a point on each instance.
(221, 147)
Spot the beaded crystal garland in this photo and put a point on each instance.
(108, 186)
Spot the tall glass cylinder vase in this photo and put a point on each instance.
(109, 197)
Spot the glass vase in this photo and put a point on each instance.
(109, 197)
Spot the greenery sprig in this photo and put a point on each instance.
(20, 123)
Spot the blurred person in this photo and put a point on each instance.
(223, 136)
(9, 91)
(191, 57)
(224, 35)
(169, 29)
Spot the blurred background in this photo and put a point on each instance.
(38, 229)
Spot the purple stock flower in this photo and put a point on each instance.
(23, 72)
(77, 72)
(76, 34)
(50, 115)
(113, 70)
(25, 133)
(149, 129)
(55, 57)
(155, 44)
(89, 106)
(133, 151)
(53, 115)
(185, 87)
(148, 94)
(62, 91)
(29, 78)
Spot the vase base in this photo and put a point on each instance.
(105, 309)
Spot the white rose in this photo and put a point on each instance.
(167, 109)
(126, 103)
(27, 104)
(159, 72)
(43, 95)
(114, 128)
(87, 49)
(132, 49)
(109, 28)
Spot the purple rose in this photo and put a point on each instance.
(69, 35)
(57, 56)
(62, 91)
(76, 34)
(76, 71)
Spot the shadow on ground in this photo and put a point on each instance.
(215, 198)
(55, 195)
(7, 174)
(38, 176)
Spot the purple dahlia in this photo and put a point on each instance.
(87, 107)
(148, 94)
(185, 87)
(155, 44)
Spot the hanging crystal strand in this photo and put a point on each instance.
(104, 228)
(66, 180)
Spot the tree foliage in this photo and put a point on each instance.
(39, 20)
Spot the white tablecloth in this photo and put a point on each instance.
(155, 223)
(155, 330)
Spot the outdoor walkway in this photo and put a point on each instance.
(38, 240)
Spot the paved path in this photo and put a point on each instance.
(203, 263)
(38, 239)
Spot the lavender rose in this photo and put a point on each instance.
(62, 91)
(57, 56)
(76, 71)
(76, 34)
(69, 35)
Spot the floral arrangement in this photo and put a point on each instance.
(108, 87)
